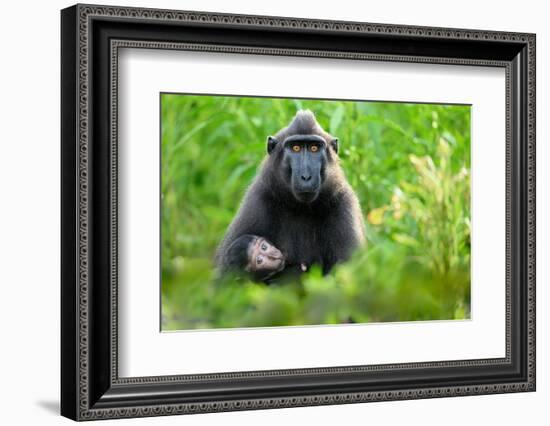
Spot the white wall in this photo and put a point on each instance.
(29, 225)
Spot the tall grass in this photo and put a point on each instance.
(409, 165)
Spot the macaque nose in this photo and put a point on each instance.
(306, 178)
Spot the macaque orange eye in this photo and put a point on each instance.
(259, 260)
(296, 148)
(264, 246)
(314, 148)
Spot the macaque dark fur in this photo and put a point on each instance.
(300, 200)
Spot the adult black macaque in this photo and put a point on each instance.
(300, 201)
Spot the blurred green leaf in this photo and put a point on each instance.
(336, 120)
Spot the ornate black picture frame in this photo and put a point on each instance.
(90, 38)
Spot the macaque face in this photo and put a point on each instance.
(264, 256)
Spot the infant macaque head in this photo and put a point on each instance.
(264, 256)
(257, 256)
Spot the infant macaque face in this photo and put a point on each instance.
(264, 256)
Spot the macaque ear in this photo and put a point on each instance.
(334, 145)
(271, 142)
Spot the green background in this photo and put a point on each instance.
(409, 165)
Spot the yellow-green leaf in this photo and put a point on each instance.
(376, 216)
(405, 239)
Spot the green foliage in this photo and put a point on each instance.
(409, 165)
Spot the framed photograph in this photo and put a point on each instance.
(263, 212)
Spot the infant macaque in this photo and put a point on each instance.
(255, 255)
